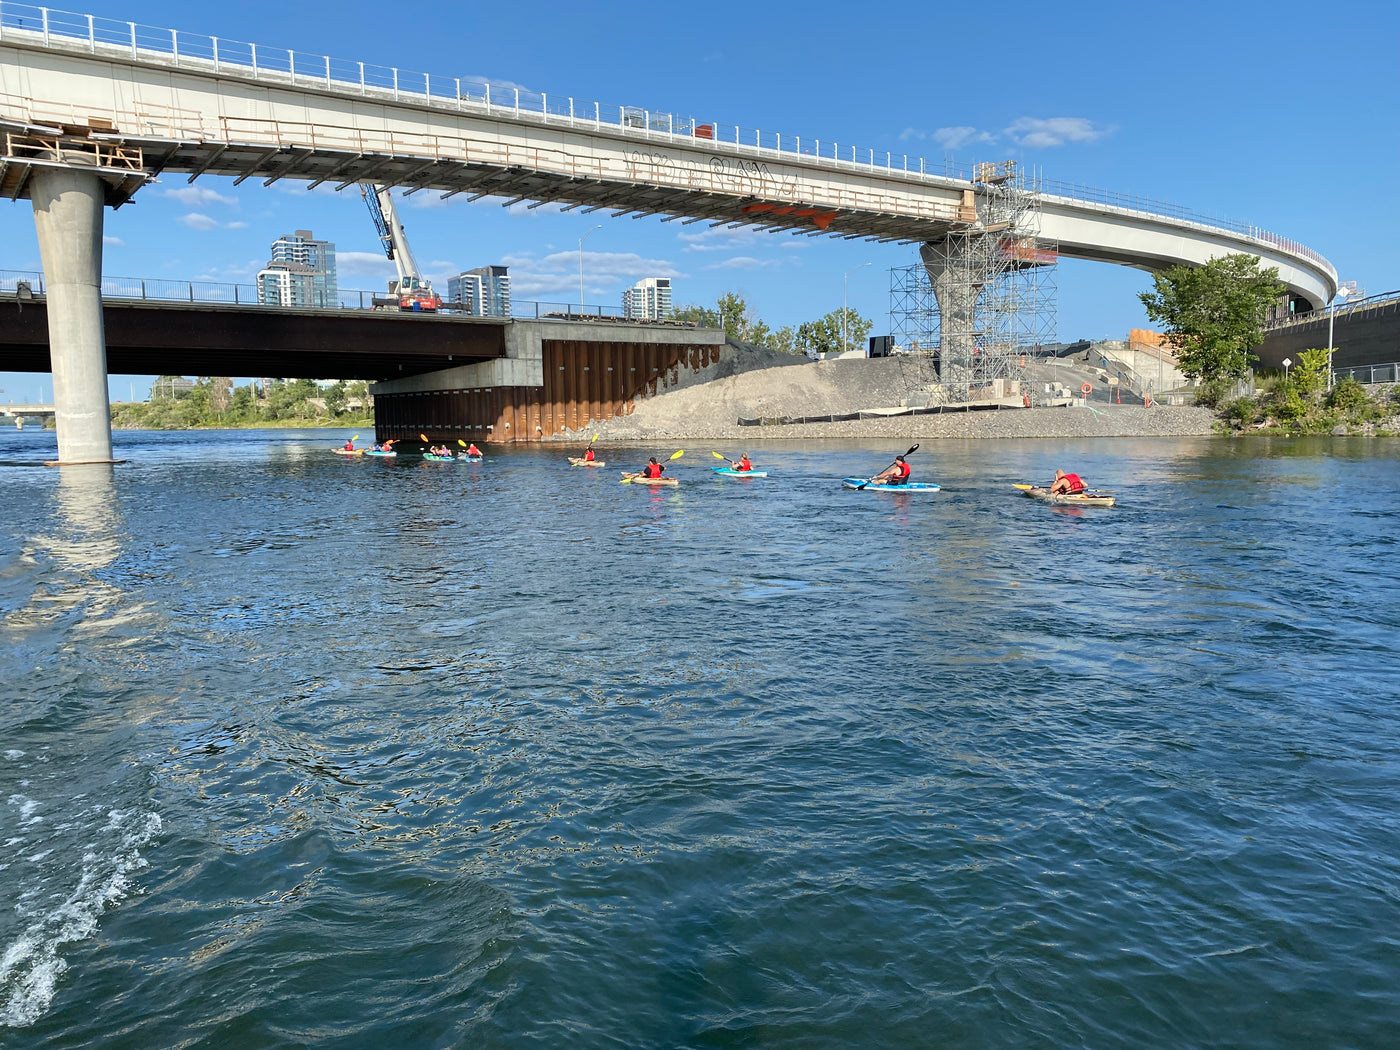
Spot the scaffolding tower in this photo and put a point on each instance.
(998, 277)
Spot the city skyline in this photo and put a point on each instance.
(1206, 140)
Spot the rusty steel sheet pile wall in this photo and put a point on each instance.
(584, 382)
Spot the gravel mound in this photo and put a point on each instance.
(750, 383)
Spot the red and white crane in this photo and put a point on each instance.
(411, 291)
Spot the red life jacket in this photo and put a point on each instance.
(651, 470)
(472, 450)
(744, 464)
(1076, 483)
(904, 470)
(588, 456)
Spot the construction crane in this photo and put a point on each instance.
(410, 291)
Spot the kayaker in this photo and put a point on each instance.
(897, 474)
(588, 456)
(349, 445)
(653, 469)
(472, 450)
(742, 465)
(1066, 484)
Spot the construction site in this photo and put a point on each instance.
(982, 300)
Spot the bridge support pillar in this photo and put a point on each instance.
(68, 216)
(953, 266)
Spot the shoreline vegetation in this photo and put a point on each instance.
(214, 403)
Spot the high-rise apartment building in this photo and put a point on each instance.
(648, 299)
(484, 291)
(300, 273)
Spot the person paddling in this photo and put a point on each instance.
(588, 456)
(1066, 484)
(349, 445)
(472, 450)
(897, 474)
(653, 469)
(742, 464)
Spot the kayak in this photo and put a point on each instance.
(372, 452)
(579, 461)
(470, 459)
(1068, 499)
(730, 472)
(348, 452)
(439, 459)
(639, 480)
(865, 486)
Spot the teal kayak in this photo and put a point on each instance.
(730, 472)
(865, 485)
(469, 459)
(371, 452)
(439, 459)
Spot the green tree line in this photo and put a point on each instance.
(741, 322)
(178, 403)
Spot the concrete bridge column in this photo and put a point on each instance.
(957, 286)
(68, 216)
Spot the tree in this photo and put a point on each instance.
(1215, 311)
(825, 335)
(335, 399)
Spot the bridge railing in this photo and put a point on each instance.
(154, 289)
(109, 37)
(1351, 308)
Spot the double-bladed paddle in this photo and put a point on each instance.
(914, 448)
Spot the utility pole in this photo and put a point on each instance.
(845, 343)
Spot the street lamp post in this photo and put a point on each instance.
(1345, 291)
(844, 277)
(580, 267)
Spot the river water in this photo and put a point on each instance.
(298, 751)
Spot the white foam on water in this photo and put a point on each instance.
(31, 966)
(13, 754)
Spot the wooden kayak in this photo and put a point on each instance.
(579, 461)
(865, 485)
(348, 451)
(1068, 499)
(639, 480)
(730, 472)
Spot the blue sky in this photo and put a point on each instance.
(1282, 114)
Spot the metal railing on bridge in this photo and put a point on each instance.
(197, 51)
(1369, 374)
(1352, 308)
(163, 290)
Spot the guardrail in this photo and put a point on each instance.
(66, 29)
(1369, 374)
(1353, 306)
(162, 290)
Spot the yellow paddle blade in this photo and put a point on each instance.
(423, 438)
(595, 438)
(355, 437)
(678, 453)
(718, 456)
(1025, 487)
(461, 442)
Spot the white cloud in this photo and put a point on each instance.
(235, 225)
(604, 272)
(198, 221)
(1044, 132)
(113, 242)
(232, 273)
(364, 264)
(719, 239)
(745, 262)
(962, 135)
(912, 133)
(196, 195)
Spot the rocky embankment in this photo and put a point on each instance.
(754, 384)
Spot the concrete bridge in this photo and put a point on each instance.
(90, 109)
